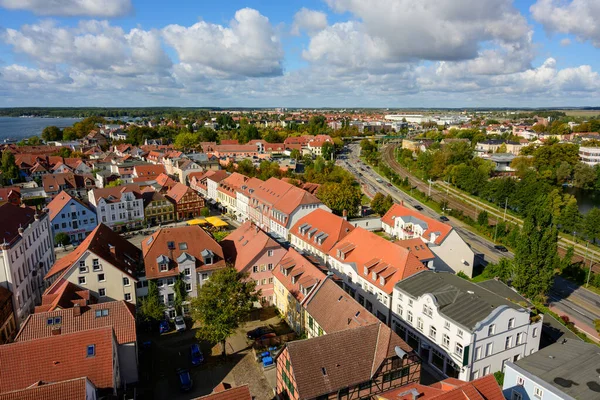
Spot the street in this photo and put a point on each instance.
(566, 298)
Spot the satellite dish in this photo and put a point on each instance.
(400, 353)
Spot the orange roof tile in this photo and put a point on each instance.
(72, 389)
(58, 358)
(365, 249)
(325, 223)
(301, 274)
(59, 202)
(247, 243)
(417, 247)
(484, 388)
(64, 294)
(236, 393)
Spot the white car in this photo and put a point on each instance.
(180, 323)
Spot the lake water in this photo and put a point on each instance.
(586, 199)
(21, 128)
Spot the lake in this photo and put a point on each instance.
(21, 128)
(586, 199)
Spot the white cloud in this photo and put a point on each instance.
(72, 8)
(310, 21)
(565, 42)
(577, 17)
(248, 47)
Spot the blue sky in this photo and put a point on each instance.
(330, 53)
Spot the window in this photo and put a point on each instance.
(504, 363)
(270, 280)
(127, 296)
(420, 323)
(101, 278)
(488, 349)
(537, 392)
(102, 292)
(508, 343)
(83, 269)
(516, 395)
(183, 246)
(204, 276)
(519, 338)
(446, 341)
(163, 267)
(486, 370)
(188, 287)
(534, 334)
(491, 330)
(126, 281)
(91, 350)
(187, 272)
(520, 381)
(478, 353)
(432, 332)
(270, 267)
(255, 268)
(459, 333)
(427, 310)
(102, 313)
(270, 253)
(96, 264)
(447, 325)
(160, 283)
(82, 280)
(170, 281)
(458, 350)
(511, 323)
(410, 302)
(263, 268)
(399, 310)
(475, 375)
(264, 281)
(409, 316)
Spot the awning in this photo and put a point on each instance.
(197, 221)
(216, 222)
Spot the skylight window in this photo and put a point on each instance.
(183, 246)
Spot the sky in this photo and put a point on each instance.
(314, 53)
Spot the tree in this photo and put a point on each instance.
(563, 172)
(52, 133)
(536, 255)
(340, 197)
(151, 308)
(295, 154)
(483, 219)
(10, 171)
(327, 150)
(34, 141)
(591, 224)
(584, 176)
(62, 239)
(115, 183)
(186, 140)
(569, 217)
(222, 304)
(64, 152)
(205, 212)
(180, 294)
(377, 203)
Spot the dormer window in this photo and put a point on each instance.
(366, 270)
(382, 280)
(374, 276)
(163, 267)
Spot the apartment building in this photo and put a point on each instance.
(317, 232)
(252, 251)
(462, 329)
(71, 217)
(242, 198)
(157, 209)
(227, 192)
(451, 252)
(188, 204)
(187, 253)
(589, 155)
(27, 252)
(104, 263)
(211, 180)
(118, 207)
(370, 266)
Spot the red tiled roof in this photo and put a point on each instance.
(64, 294)
(186, 239)
(113, 194)
(232, 183)
(417, 247)
(217, 176)
(484, 388)
(72, 389)
(336, 228)
(58, 358)
(433, 226)
(178, 191)
(98, 242)
(165, 182)
(236, 393)
(247, 243)
(149, 170)
(305, 273)
(365, 249)
(121, 317)
(59, 202)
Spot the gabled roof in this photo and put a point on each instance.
(100, 242)
(348, 357)
(417, 247)
(64, 294)
(294, 198)
(247, 243)
(431, 225)
(13, 218)
(330, 229)
(301, 274)
(364, 249)
(149, 170)
(59, 202)
(217, 176)
(171, 243)
(232, 183)
(236, 393)
(113, 194)
(178, 191)
(120, 315)
(335, 310)
(484, 388)
(72, 389)
(165, 182)
(58, 358)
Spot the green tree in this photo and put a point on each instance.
(222, 305)
(180, 294)
(295, 154)
(10, 171)
(584, 176)
(340, 197)
(115, 183)
(186, 140)
(591, 224)
(483, 219)
(563, 172)
(52, 133)
(569, 218)
(327, 150)
(536, 255)
(205, 212)
(62, 239)
(377, 203)
(34, 141)
(151, 308)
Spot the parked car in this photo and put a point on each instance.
(501, 248)
(185, 380)
(418, 207)
(258, 332)
(389, 184)
(444, 218)
(196, 353)
(268, 336)
(164, 327)
(180, 323)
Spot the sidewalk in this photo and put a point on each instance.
(589, 331)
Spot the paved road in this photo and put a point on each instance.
(571, 300)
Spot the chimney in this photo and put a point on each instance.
(56, 331)
(345, 214)
(112, 249)
(76, 310)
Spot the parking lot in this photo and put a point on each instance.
(168, 352)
